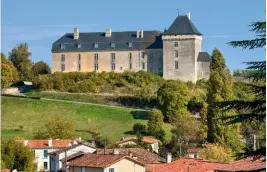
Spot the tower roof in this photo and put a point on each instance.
(182, 26)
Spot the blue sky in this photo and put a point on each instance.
(40, 23)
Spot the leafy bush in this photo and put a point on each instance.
(216, 152)
(139, 128)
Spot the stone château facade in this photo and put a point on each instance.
(174, 54)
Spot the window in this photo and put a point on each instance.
(45, 153)
(111, 170)
(176, 64)
(62, 67)
(176, 44)
(79, 62)
(79, 45)
(151, 56)
(130, 44)
(62, 57)
(143, 54)
(45, 165)
(130, 61)
(113, 67)
(143, 65)
(112, 45)
(62, 46)
(96, 45)
(175, 53)
(96, 62)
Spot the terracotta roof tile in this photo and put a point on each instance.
(145, 139)
(100, 161)
(185, 165)
(44, 143)
(247, 164)
(142, 155)
(5, 170)
(192, 150)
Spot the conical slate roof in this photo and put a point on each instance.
(182, 26)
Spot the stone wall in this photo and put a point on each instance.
(188, 48)
(152, 60)
(203, 70)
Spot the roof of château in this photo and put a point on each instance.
(150, 40)
(182, 25)
(203, 56)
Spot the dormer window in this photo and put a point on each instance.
(96, 45)
(112, 45)
(130, 44)
(79, 45)
(62, 46)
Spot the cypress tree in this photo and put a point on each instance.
(220, 89)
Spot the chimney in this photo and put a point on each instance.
(76, 33)
(131, 155)
(188, 15)
(141, 34)
(169, 157)
(50, 143)
(254, 142)
(108, 32)
(25, 142)
(138, 33)
(116, 151)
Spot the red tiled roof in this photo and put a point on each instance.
(145, 139)
(142, 155)
(100, 161)
(44, 143)
(185, 165)
(247, 164)
(5, 170)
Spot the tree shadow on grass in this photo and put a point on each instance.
(140, 114)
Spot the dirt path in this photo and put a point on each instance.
(86, 103)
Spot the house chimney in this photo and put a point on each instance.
(108, 32)
(25, 142)
(141, 34)
(116, 151)
(188, 15)
(254, 142)
(169, 157)
(131, 155)
(50, 143)
(138, 34)
(76, 33)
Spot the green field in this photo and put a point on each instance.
(115, 122)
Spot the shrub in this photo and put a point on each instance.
(139, 128)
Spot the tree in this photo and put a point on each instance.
(139, 128)
(9, 73)
(189, 129)
(56, 128)
(40, 68)
(19, 56)
(154, 124)
(220, 89)
(216, 152)
(173, 98)
(254, 110)
(15, 155)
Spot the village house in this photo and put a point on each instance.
(185, 165)
(58, 157)
(192, 153)
(154, 143)
(249, 164)
(140, 154)
(105, 163)
(41, 149)
(174, 54)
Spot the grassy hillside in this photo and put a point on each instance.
(115, 122)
